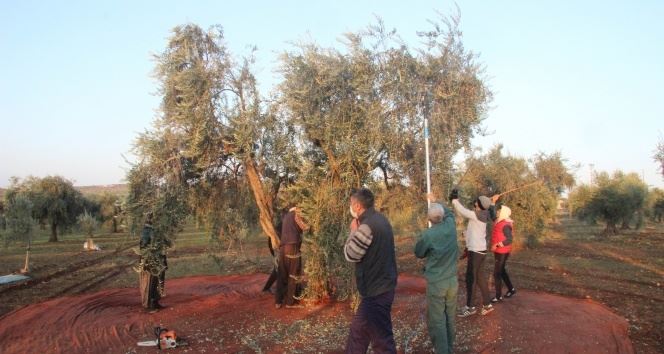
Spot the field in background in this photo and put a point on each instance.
(625, 272)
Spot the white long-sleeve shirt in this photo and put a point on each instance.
(475, 234)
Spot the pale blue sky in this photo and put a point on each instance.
(580, 77)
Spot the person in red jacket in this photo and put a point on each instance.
(501, 246)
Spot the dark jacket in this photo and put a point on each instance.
(146, 236)
(290, 231)
(376, 273)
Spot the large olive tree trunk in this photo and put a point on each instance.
(262, 201)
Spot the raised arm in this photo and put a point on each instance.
(468, 214)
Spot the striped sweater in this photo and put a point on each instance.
(357, 243)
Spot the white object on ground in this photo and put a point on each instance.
(12, 278)
(93, 248)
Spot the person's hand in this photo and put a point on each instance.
(454, 194)
(495, 198)
(354, 224)
(494, 247)
(464, 254)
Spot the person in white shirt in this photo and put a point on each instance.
(475, 237)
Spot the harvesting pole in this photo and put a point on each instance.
(426, 148)
(520, 187)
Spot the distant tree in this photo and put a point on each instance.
(659, 155)
(110, 210)
(3, 218)
(532, 188)
(654, 208)
(54, 199)
(20, 223)
(616, 199)
(88, 224)
(578, 199)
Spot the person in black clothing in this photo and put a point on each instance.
(152, 267)
(290, 259)
(273, 276)
(370, 246)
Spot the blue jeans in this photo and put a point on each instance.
(372, 323)
(441, 313)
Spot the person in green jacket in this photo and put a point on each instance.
(438, 245)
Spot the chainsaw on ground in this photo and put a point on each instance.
(166, 339)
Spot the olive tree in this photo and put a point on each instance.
(613, 199)
(20, 223)
(55, 201)
(531, 188)
(360, 113)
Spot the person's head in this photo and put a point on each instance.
(482, 203)
(504, 212)
(436, 213)
(148, 218)
(361, 200)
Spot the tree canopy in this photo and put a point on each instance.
(613, 199)
(55, 201)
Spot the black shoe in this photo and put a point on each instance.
(511, 293)
(497, 299)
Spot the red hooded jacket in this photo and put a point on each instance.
(497, 236)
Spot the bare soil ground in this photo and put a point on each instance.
(624, 273)
(231, 314)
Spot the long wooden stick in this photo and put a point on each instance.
(520, 187)
(470, 167)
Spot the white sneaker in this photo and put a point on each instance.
(486, 309)
(467, 311)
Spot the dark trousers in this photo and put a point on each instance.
(271, 279)
(273, 276)
(290, 267)
(372, 323)
(474, 276)
(500, 273)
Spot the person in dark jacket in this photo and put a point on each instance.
(152, 267)
(438, 244)
(370, 246)
(290, 259)
(275, 257)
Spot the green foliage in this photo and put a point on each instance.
(54, 200)
(211, 122)
(360, 113)
(659, 155)
(88, 224)
(20, 223)
(337, 121)
(3, 216)
(534, 205)
(654, 208)
(616, 199)
(110, 210)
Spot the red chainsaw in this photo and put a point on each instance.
(166, 339)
